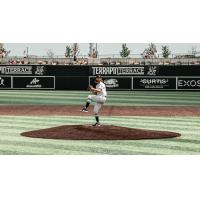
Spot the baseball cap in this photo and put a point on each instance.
(98, 76)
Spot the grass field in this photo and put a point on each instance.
(11, 126)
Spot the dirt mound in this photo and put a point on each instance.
(107, 132)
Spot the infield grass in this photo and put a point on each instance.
(11, 126)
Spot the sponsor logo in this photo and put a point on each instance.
(118, 70)
(5, 82)
(2, 81)
(16, 70)
(193, 83)
(152, 71)
(34, 81)
(40, 70)
(34, 84)
(111, 83)
(155, 83)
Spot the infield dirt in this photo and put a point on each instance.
(50, 110)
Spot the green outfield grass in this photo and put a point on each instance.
(117, 98)
(11, 126)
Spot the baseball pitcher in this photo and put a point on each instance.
(98, 96)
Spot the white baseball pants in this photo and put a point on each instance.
(99, 101)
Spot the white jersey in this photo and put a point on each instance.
(101, 86)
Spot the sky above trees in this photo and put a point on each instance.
(41, 49)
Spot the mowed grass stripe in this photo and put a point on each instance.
(150, 119)
(40, 150)
(24, 101)
(63, 118)
(56, 119)
(115, 93)
(172, 144)
(127, 99)
(70, 152)
(38, 122)
(84, 148)
(9, 152)
(110, 149)
(136, 124)
(77, 99)
(168, 119)
(139, 123)
(97, 149)
(176, 149)
(83, 96)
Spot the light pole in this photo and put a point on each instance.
(90, 49)
(27, 51)
(96, 50)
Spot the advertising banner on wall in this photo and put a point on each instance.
(156, 83)
(23, 70)
(33, 82)
(16, 70)
(104, 70)
(189, 83)
(115, 83)
(125, 71)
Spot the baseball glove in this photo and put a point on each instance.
(90, 87)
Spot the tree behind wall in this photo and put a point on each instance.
(50, 53)
(92, 50)
(165, 51)
(125, 52)
(68, 52)
(1, 46)
(3, 52)
(150, 52)
(75, 51)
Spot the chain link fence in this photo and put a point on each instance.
(83, 60)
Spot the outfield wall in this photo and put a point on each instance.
(115, 77)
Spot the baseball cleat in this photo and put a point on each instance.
(84, 110)
(96, 124)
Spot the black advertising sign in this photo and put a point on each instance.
(33, 82)
(5, 82)
(156, 83)
(185, 83)
(71, 83)
(115, 83)
(179, 70)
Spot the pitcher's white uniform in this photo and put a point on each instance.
(100, 98)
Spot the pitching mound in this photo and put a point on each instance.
(87, 132)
